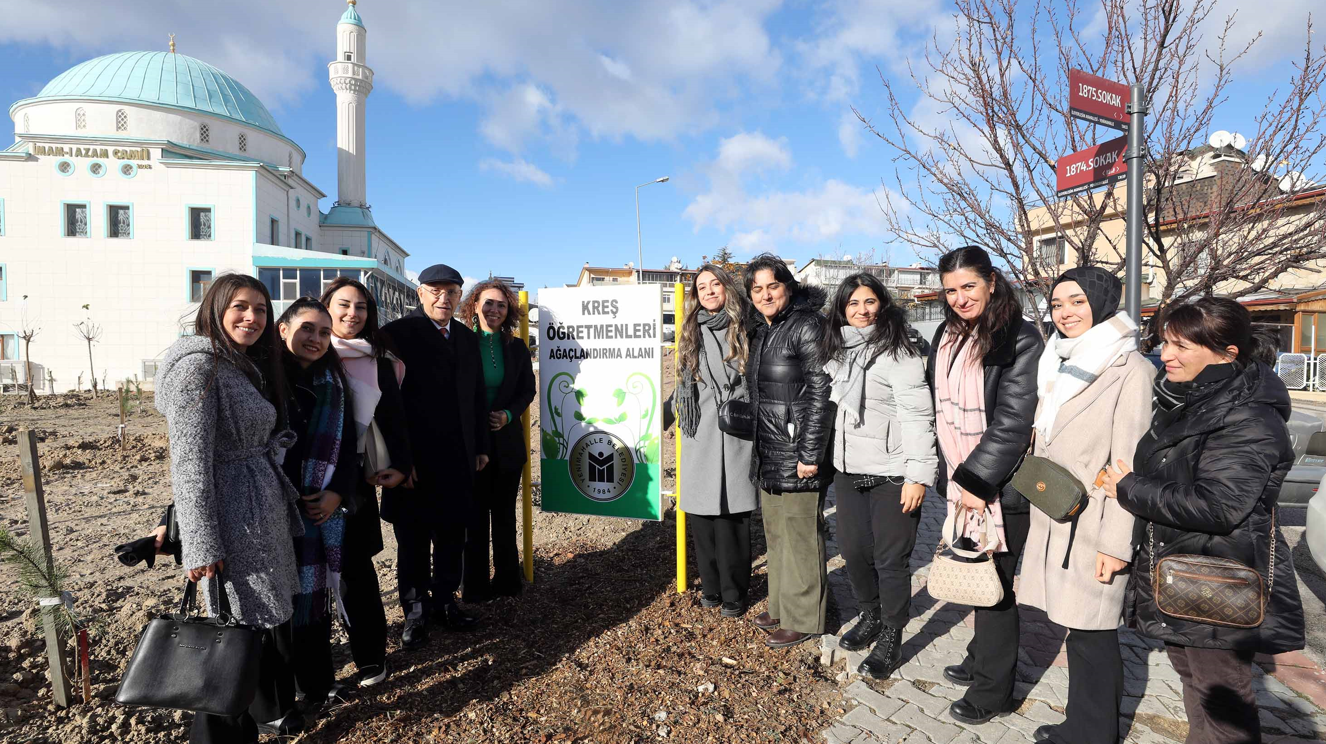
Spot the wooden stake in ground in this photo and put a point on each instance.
(124, 402)
(36, 503)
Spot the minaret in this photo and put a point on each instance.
(352, 80)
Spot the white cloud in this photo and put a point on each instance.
(652, 69)
(852, 31)
(517, 170)
(849, 134)
(823, 212)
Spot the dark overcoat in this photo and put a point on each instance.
(514, 395)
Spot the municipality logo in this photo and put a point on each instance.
(601, 465)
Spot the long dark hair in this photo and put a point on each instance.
(737, 309)
(330, 359)
(469, 307)
(1002, 309)
(260, 361)
(380, 342)
(1219, 323)
(889, 334)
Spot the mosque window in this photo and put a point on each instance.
(349, 57)
(80, 118)
(75, 219)
(308, 242)
(243, 142)
(297, 203)
(299, 240)
(199, 281)
(204, 133)
(121, 120)
(308, 211)
(200, 223)
(276, 232)
(119, 221)
(26, 128)
(96, 168)
(290, 160)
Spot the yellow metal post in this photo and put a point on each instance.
(678, 310)
(526, 488)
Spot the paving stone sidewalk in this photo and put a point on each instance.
(911, 707)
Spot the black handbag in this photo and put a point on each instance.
(187, 662)
(736, 417)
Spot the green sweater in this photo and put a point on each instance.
(494, 365)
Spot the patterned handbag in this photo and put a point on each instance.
(1209, 590)
(975, 584)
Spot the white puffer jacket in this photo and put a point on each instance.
(895, 433)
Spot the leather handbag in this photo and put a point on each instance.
(187, 662)
(376, 456)
(1209, 590)
(1049, 486)
(972, 583)
(737, 418)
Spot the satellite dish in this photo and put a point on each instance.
(1259, 163)
(1292, 181)
(1240, 141)
(1221, 139)
(847, 257)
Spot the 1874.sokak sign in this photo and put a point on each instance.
(1096, 165)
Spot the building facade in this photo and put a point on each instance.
(598, 276)
(136, 178)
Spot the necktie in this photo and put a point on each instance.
(446, 332)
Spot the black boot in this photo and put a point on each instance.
(886, 657)
(864, 633)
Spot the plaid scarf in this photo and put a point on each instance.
(318, 551)
(960, 405)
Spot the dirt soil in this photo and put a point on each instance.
(601, 648)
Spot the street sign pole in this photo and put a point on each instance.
(1135, 158)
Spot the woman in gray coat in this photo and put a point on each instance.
(716, 493)
(221, 393)
(1094, 392)
(884, 451)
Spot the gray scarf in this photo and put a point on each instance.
(686, 399)
(849, 373)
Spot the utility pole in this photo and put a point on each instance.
(1136, 157)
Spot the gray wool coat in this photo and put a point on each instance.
(1101, 424)
(715, 466)
(231, 500)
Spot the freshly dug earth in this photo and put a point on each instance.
(601, 648)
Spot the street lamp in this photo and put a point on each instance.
(639, 249)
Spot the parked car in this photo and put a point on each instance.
(1315, 534)
(1304, 479)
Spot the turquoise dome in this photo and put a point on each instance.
(352, 16)
(161, 79)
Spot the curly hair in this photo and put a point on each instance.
(469, 307)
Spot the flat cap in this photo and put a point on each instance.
(441, 274)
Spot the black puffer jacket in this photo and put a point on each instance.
(1206, 477)
(790, 394)
(1010, 412)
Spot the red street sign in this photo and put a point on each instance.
(1098, 100)
(1096, 165)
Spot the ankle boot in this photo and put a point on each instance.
(863, 633)
(886, 657)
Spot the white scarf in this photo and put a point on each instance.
(1069, 365)
(361, 369)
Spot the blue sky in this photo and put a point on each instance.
(507, 137)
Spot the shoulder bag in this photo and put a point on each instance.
(736, 417)
(1209, 590)
(1050, 486)
(972, 583)
(187, 662)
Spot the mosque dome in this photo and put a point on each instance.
(159, 79)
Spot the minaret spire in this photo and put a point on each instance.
(172, 43)
(352, 80)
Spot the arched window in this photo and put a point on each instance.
(121, 120)
(349, 57)
(243, 142)
(290, 161)
(204, 133)
(80, 119)
(26, 128)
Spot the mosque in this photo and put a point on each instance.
(137, 178)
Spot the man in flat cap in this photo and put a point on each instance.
(444, 400)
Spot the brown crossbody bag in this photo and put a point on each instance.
(1210, 590)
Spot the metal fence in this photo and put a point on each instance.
(1302, 372)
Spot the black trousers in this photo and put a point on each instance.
(419, 537)
(876, 539)
(311, 658)
(992, 655)
(495, 490)
(722, 553)
(1217, 695)
(274, 699)
(363, 606)
(1095, 686)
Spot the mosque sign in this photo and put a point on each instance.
(118, 153)
(600, 409)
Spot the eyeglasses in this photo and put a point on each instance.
(437, 292)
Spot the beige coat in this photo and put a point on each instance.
(1102, 424)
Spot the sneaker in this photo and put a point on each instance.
(371, 675)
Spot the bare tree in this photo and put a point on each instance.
(91, 333)
(26, 332)
(976, 156)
